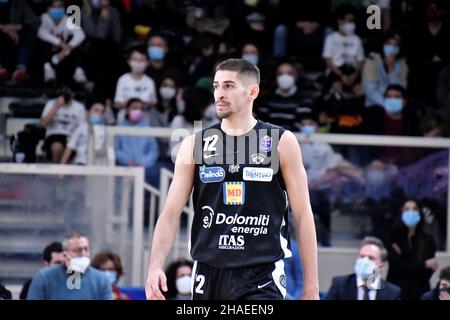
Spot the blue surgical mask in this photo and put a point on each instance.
(390, 50)
(308, 129)
(56, 13)
(411, 218)
(95, 4)
(156, 53)
(393, 105)
(252, 58)
(364, 268)
(111, 276)
(96, 119)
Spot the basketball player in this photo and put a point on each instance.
(245, 173)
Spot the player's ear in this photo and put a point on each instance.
(254, 91)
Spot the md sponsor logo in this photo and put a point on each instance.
(257, 174)
(211, 174)
(234, 193)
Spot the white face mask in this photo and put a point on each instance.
(285, 81)
(167, 93)
(347, 28)
(138, 67)
(183, 285)
(79, 264)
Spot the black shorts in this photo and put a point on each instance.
(261, 282)
(47, 147)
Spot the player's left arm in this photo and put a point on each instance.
(294, 176)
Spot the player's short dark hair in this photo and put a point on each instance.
(245, 70)
(55, 246)
(445, 273)
(376, 242)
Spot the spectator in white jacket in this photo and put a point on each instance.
(61, 38)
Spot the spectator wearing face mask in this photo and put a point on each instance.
(326, 171)
(178, 275)
(442, 289)
(284, 106)
(366, 283)
(135, 84)
(73, 280)
(412, 259)
(343, 51)
(137, 151)
(159, 66)
(111, 265)
(77, 147)
(52, 256)
(60, 45)
(250, 52)
(380, 71)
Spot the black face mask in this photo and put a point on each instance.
(445, 290)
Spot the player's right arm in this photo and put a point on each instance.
(168, 222)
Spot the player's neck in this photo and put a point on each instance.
(235, 126)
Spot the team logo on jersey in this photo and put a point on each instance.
(257, 174)
(265, 144)
(257, 158)
(208, 219)
(211, 174)
(233, 193)
(233, 168)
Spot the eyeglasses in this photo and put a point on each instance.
(79, 250)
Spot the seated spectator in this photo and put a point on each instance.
(343, 51)
(111, 265)
(76, 151)
(250, 52)
(366, 283)
(284, 106)
(326, 171)
(58, 282)
(179, 281)
(412, 259)
(135, 84)
(137, 151)
(61, 116)
(166, 108)
(442, 289)
(380, 71)
(101, 23)
(60, 45)
(53, 255)
(204, 60)
(159, 66)
(18, 25)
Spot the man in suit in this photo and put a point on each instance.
(366, 283)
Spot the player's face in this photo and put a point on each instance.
(230, 94)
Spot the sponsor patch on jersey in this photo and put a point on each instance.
(257, 174)
(257, 158)
(211, 174)
(233, 193)
(265, 144)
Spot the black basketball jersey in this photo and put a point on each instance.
(240, 202)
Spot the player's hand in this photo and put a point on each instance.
(156, 280)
